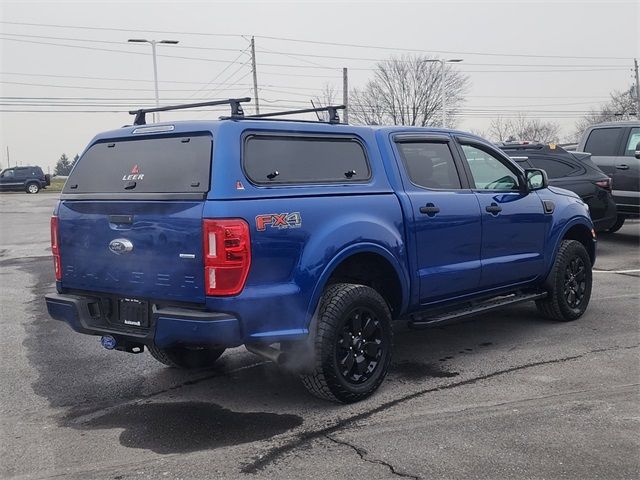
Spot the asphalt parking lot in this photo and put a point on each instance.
(507, 395)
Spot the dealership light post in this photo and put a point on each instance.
(442, 90)
(153, 43)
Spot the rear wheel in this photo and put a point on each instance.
(32, 187)
(353, 344)
(569, 283)
(187, 358)
(616, 226)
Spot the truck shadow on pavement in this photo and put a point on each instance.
(181, 427)
(242, 398)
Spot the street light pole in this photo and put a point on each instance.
(443, 97)
(155, 71)
(153, 43)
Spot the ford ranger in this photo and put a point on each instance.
(304, 241)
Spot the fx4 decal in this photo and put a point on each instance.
(278, 220)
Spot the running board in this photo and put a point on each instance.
(423, 320)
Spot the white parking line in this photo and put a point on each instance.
(637, 270)
(615, 297)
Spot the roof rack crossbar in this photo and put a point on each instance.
(236, 108)
(332, 109)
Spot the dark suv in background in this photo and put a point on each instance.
(28, 179)
(572, 171)
(613, 147)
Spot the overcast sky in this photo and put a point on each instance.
(551, 59)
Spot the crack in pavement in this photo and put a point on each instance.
(362, 453)
(305, 437)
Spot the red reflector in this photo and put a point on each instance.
(55, 248)
(227, 255)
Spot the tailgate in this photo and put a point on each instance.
(130, 217)
(137, 249)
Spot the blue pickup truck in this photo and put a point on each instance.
(304, 241)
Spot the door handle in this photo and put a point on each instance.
(494, 208)
(121, 219)
(430, 209)
(622, 166)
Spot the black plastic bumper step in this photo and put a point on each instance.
(424, 320)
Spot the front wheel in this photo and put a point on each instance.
(33, 188)
(186, 358)
(569, 283)
(353, 344)
(618, 225)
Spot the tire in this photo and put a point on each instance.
(32, 187)
(618, 225)
(569, 283)
(186, 358)
(351, 358)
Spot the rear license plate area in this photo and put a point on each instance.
(133, 312)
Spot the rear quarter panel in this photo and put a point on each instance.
(290, 265)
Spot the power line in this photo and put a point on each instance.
(113, 42)
(297, 55)
(210, 82)
(302, 56)
(280, 65)
(128, 52)
(208, 34)
(317, 42)
(81, 87)
(81, 77)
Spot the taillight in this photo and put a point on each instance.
(606, 183)
(227, 256)
(55, 248)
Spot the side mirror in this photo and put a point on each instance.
(637, 154)
(536, 179)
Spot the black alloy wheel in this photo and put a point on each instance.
(359, 346)
(575, 283)
(569, 283)
(352, 344)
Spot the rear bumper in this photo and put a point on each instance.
(168, 327)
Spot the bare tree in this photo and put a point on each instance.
(406, 91)
(622, 106)
(328, 96)
(524, 128)
(500, 129)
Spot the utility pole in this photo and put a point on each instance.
(8, 159)
(153, 43)
(255, 74)
(345, 95)
(635, 64)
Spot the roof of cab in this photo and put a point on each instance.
(620, 123)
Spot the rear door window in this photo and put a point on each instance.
(632, 142)
(430, 165)
(603, 141)
(276, 159)
(177, 164)
(22, 172)
(554, 168)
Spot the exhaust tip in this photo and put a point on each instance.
(108, 342)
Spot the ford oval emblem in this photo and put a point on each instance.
(120, 246)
